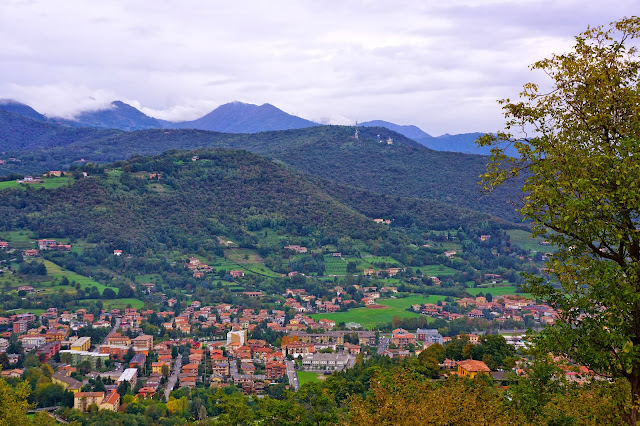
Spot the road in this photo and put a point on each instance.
(113, 330)
(384, 342)
(292, 375)
(174, 377)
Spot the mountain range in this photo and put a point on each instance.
(237, 117)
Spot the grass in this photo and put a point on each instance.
(49, 183)
(437, 271)
(526, 242)
(55, 271)
(19, 239)
(307, 377)
(117, 303)
(24, 311)
(497, 291)
(334, 266)
(370, 318)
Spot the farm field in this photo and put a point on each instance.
(497, 291)
(437, 271)
(370, 318)
(19, 239)
(334, 265)
(526, 242)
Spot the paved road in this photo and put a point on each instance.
(174, 377)
(382, 345)
(292, 375)
(113, 330)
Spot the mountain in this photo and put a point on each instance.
(16, 107)
(186, 204)
(463, 142)
(412, 132)
(238, 117)
(404, 168)
(118, 116)
(20, 133)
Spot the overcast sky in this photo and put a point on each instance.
(440, 65)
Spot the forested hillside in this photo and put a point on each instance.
(187, 203)
(380, 160)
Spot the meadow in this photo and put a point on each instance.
(527, 242)
(370, 318)
(307, 377)
(496, 291)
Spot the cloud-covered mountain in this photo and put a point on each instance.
(238, 117)
(19, 108)
(118, 116)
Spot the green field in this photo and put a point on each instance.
(24, 311)
(117, 303)
(370, 318)
(437, 271)
(56, 271)
(307, 377)
(334, 266)
(19, 239)
(526, 242)
(497, 291)
(49, 183)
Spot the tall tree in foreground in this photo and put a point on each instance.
(579, 145)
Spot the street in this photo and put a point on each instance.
(292, 375)
(171, 382)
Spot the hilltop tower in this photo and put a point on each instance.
(356, 134)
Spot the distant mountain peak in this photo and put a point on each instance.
(241, 117)
(16, 107)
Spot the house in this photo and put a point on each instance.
(275, 370)
(117, 252)
(31, 253)
(236, 274)
(402, 338)
(68, 383)
(472, 368)
(4, 245)
(429, 336)
(82, 344)
(82, 401)
(143, 343)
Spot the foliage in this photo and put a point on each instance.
(580, 192)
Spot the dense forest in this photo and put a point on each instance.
(403, 168)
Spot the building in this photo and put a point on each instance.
(275, 370)
(471, 368)
(48, 350)
(402, 337)
(82, 401)
(236, 274)
(237, 336)
(143, 343)
(82, 344)
(20, 326)
(325, 362)
(68, 383)
(428, 335)
(118, 340)
(138, 360)
(129, 375)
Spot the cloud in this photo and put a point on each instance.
(439, 65)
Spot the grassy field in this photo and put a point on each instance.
(526, 242)
(497, 291)
(437, 271)
(307, 377)
(24, 311)
(19, 239)
(117, 303)
(56, 271)
(49, 183)
(370, 318)
(334, 266)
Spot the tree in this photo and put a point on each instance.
(580, 171)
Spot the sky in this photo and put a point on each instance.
(440, 65)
